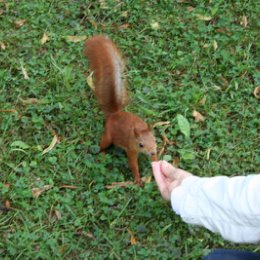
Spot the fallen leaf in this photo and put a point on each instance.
(208, 153)
(29, 101)
(190, 8)
(256, 92)
(1, 11)
(198, 117)
(92, 22)
(225, 81)
(7, 204)
(78, 38)
(25, 74)
(2, 46)
(161, 123)
(155, 25)
(90, 81)
(68, 187)
(9, 110)
(244, 21)
(7, 185)
(124, 26)
(124, 14)
(57, 214)
(215, 45)
(19, 23)
(133, 239)
(54, 141)
(36, 192)
(203, 101)
(176, 161)
(44, 38)
(203, 17)
(147, 179)
(122, 184)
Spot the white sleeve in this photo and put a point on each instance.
(228, 206)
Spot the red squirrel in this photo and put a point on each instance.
(122, 129)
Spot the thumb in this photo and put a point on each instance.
(168, 170)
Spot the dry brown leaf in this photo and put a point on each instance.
(190, 8)
(36, 192)
(2, 46)
(122, 184)
(7, 204)
(30, 101)
(203, 101)
(244, 21)
(1, 11)
(19, 23)
(9, 110)
(203, 17)
(256, 92)
(7, 185)
(78, 38)
(68, 187)
(57, 214)
(44, 38)
(176, 162)
(124, 26)
(198, 117)
(90, 81)
(225, 81)
(54, 141)
(133, 239)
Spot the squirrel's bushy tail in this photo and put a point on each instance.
(108, 69)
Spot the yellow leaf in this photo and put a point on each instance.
(90, 81)
(215, 45)
(203, 17)
(78, 38)
(2, 46)
(25, 74)
(54, 141)
(155, 25)
(36, 192)
(161, 123)
(147, 179)
(44, 38)
(198, 117)
(256, 92)
(244, 21)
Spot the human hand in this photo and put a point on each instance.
(168, 177)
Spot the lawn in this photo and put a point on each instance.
(182, 57)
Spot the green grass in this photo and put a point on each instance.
(171, 68)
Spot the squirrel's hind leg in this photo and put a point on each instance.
(105, 142)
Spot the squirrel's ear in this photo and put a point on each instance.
(136, 132)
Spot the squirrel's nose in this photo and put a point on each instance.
(153, 156)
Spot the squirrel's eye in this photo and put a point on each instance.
(141, 145)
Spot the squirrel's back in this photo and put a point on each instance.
(108, 67)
